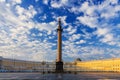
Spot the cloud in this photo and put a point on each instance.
(13, 2)
(47, 26)
(92, 13)
(74, 37)
(36, 0)
(15, 25)
(118, 25)
(58, 4)
(17, 1)
(71, 30)
(24, 14)
(87, 9)
(107, 36)
(45, 2)
(109, 39)
(72, 51)
(99, 17)
(89, 21)
(19, 40)
(44, 17)
(2, 0)
(106, 7)
(81, 42)
(102, 31)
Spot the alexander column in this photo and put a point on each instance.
(59, 63)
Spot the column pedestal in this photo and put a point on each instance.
(59, 67)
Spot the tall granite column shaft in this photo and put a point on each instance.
(59, 46)
(59, 63)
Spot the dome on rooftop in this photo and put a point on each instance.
(78, 59)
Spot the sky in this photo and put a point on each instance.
(91, 29)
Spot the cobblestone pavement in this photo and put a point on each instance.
(64, 76)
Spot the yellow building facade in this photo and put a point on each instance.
(109, 65)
